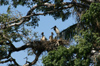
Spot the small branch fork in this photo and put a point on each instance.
(10, 60)
(13, 49)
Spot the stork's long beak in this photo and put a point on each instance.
(52, 27)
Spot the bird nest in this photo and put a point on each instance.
(39, 46)
(47, 45)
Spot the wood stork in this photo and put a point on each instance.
(51, 37)
(57, 31)
(43, 37)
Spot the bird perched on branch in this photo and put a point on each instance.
(51, 37)
(43, 37)
(57, 31)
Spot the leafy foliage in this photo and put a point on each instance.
(62, 14)
(11, 34)
(91, 18)
(75, 55)
(3, 51)
(15, 3)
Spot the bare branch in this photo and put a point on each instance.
(15, 62)
(63, 3)
(87, 1)
(16, 49)
(23, 47)
(10, 43)
(10, 60)
(5, 61)
(36, 58)
(76, 4)
(36, 6)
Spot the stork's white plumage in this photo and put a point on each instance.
(57, 31)
(43, 37)
(51, 37)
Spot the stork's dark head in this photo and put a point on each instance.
(42, 33)
(52, 33)
(54, 27)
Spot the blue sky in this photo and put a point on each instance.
(45, 25)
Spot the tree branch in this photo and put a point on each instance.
(63, 3)
(39, 46)
(36, 58)
(17, 49)
(87, 1)
(15, 62)
(30, 13)
(10, 60)
(10, 43)
(5, 61)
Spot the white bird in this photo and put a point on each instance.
(43, 37)
(51, 37)
(57, 31)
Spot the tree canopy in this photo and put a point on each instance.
(85, 33)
